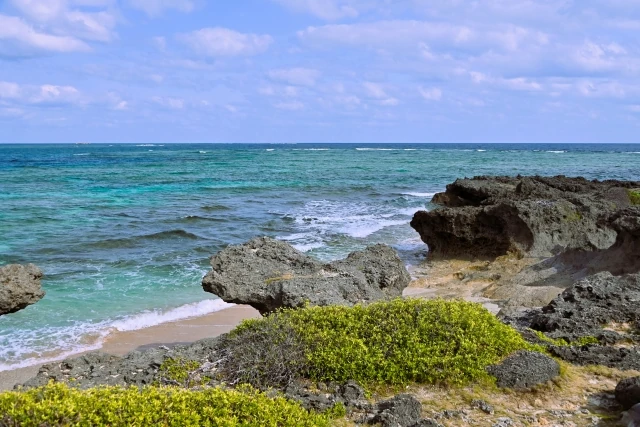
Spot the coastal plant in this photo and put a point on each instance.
(180, 372)
(634, 197)
(59, 405)
(391, 342)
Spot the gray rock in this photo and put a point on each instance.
(136, 368)
(632, 417)
(269, 274)
(503, 422)
(524, 369)
(483, 406)
(585, 307)
(19, 287)
(614, 357)
(537, 216)
(427, 422)
(402, 410)
(628, 392)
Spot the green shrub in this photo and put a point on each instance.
(634, 197)
(392, 342)
(180, 372)
(59, 405)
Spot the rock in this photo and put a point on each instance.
(503, 422)
(483, 406)
(632, 417)
(524, 369)
(585, 307)
(537, 216)
(614, 357)
(628, 392)
(269, 274)
(19, 287)
(402, 410)
(427, 422)
(136, 368)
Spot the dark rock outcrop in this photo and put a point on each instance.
(628, 392)
(602, 308)
(136, 368)
(588, 305)
(19, 287)
(402, 410)
(537, 216)
(269, 274)
(524, 369)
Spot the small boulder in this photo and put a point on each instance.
(632, 417)
(402, 410)
(269, 274)
(524, 369)
(628, 392)
(19, 287)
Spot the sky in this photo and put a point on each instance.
(319, 71)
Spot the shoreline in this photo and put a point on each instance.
(170, 334)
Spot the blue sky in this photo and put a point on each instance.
(319, 71)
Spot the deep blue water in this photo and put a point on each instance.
(124, 232)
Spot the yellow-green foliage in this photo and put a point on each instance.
(399, 341)
(634, 197)
(179, 371)
(59, 405)
(562, 342)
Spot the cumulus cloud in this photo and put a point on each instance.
(430, 94)
(70, 18)
(44, 94)
(158, 7)
(17, 38)
(225, 42)
(295, 76)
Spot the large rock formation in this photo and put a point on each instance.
(269, 274)
(19, 287)
(603, 309)
(537, 216)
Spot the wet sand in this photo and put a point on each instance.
(169, 334)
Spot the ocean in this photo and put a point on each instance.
(124, 232)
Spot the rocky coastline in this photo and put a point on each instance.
(559, 257)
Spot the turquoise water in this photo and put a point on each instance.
(124, 232)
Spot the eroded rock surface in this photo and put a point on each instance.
(524, 369)
(19, 287)
(269, 274)
(537, 216)
(628, 392)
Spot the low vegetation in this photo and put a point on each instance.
(59, 405)
(634, 197)
(397, 342)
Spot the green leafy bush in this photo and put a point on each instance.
(180, 372)
(59, 405)
(634, 197)
(392, 342)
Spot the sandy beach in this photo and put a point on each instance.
(171, 333)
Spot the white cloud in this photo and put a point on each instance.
(291, 106)
(157, 7)
(225, 42)
(295, 76)
(22, 39)
(51, 94)
(169, 102)
(9, 90)
(329, 10)
(430, 94)
(16, 94)
(63, 17)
